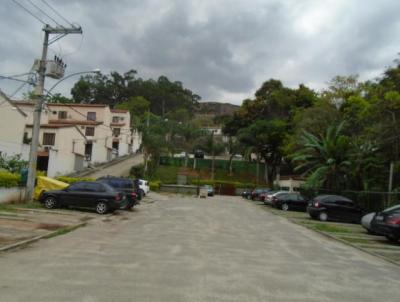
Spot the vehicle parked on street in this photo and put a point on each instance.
(255, 194)
(199, 154)
(143, 186)
(247, 193)
(90, 195)
(387, 223)
(266, 197)
(125, 185)
(289, 201)
(334, 207)
(210, 190)
(366, 222)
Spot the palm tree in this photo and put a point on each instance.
(326, 160)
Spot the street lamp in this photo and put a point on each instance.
(30, 184)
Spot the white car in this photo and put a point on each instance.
(144, 186)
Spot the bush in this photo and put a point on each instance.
(71, 180)
(236, 184)
(8, 179)
(12, 163)
(155, 185)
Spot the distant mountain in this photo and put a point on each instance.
(215, 108)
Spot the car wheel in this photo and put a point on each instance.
(285, 207)
(101, 207)
(50, 202)
(323, 216)
(392, 238)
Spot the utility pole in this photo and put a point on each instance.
(40, 98)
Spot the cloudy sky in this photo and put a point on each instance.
(221, 49)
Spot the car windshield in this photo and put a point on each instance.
(392, 208)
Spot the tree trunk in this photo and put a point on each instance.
(266, 177)
(212, 165)
(186, 159)
(194, 163)
(231, 165)
(258, 168)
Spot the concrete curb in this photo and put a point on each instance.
(37, 238)
(337, 239)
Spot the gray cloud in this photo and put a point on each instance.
(222, 50)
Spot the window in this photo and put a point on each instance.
(115, 119)
(116, 131)
(49, 139)
(94, 187)
(62, 115)
(89, 131)
(26, 140)
(91, 116)
(77, 187)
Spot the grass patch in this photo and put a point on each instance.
(329, 228)
(12, 207)
(64, 231)
(359, 240)
(166, 174)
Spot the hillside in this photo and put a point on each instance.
(215, 108)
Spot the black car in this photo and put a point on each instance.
(199, 154)
(247, 193)
(92, 195)
(334, 207)
(255, 194)
(125, 185)
(289, 200)
(387, 223)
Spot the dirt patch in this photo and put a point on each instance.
(49, 226)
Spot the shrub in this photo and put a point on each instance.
(12, 163)
(155, 185)
(71, 180)
(8, 179)
(211, 182)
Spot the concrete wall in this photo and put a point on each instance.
(8, 195)
(78, 113)
(179, 189)
(12, 128)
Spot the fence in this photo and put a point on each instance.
(371, 201)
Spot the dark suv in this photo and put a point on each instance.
(334, 207)
(125, 185)
(92, 195)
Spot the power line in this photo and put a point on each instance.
(29, 12)
(57, 13)
(44, 13)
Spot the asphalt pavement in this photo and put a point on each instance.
(188, 249)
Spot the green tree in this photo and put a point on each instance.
(326, 160)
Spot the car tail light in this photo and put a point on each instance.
(393, 220)
(274, 199)
(133, 195)
(316, 203)
(118, 197)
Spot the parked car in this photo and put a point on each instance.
(366, 222)
(267, 197)
(92, 195)
(247, 193)
(198, 153)
(210, 190)
(289, 200)
(334, 207)
(142, 187)
(387, 223)
(255, 194)
(125, 185)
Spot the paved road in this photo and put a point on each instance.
(187, 249)
(120, 169)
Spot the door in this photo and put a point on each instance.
(73, 194)
(92, 194)
(348, 211)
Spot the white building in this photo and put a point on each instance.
(72, 136)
